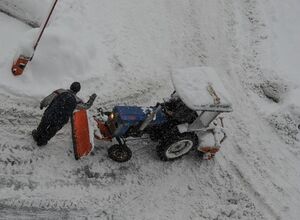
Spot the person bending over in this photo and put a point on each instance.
(60, 106)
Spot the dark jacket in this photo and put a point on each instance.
(79, 103)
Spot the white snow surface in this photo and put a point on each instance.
(124, 51)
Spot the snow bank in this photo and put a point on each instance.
(31, 12)
(115, 48)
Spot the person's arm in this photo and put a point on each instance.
(81, 105)
(47, 100)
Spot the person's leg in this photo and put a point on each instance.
(52, 130)
(43, 135)
(39, 133)
(34, 135)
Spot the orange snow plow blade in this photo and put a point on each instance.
(81, 134)
(19, 65)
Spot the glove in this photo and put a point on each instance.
(93, 96)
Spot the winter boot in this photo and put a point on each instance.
(34, 135)
(41, 143)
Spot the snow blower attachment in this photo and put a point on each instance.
(82, 142)
(19, 64)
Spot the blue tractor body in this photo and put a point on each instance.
(127, 118)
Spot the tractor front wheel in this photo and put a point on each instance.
(119, 153)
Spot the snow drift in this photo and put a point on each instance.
(30, 12)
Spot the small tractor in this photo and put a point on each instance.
(189, 118)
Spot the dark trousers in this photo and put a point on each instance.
(47, 129)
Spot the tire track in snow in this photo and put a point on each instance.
(247, 12)
(252, 139)
(254, 193)
(145, 172)
(17, 158)
(27, 212)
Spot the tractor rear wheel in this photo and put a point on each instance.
(176, 146)
(119, 153)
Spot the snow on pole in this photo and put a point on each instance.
(19, 65)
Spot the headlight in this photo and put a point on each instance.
(111, 116)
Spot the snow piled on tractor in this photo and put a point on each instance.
(192, 86)
(125, 51)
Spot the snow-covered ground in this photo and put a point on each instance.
(124, 51)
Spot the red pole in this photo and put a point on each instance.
(44, 26)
